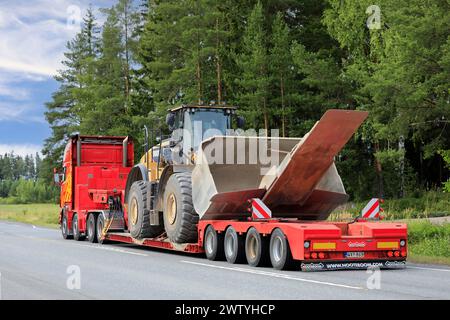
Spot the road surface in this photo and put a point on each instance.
(36, 263)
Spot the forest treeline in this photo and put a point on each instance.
(284, 63)
(21, 180)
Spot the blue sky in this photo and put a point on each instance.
(33, 35)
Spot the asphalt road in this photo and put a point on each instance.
(36, 263)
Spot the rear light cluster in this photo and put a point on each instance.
(316, 255)
(396, 254)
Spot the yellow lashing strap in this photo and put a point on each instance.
(108, 223)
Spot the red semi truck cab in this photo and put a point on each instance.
(93, 179)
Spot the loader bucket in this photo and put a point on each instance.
(296, 178)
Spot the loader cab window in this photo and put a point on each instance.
(205, 123)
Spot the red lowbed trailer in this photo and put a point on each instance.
(92, 202)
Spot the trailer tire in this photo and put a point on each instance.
(99, 229)
(256, 249)
(213, 244)
(280, 252)
(234, 246)
(180, 218)
(65, 226)
(91, 228)
(139, 213)
(77, 236)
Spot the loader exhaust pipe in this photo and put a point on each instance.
(125, 152)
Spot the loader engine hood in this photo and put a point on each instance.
(295, 177)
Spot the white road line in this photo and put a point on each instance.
(273, 274)
(118, 250)
(431, 269)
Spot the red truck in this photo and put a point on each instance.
(106, 198)
(93, 178)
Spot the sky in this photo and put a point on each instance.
(33, 36)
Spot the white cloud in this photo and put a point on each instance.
(19, 112)
(20, 149)
(34, 33)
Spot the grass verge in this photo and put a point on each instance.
(40, 214)
(429, 243)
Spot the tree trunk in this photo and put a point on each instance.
(283, 116)
(219, 65)
(379, 171)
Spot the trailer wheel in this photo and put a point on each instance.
(180, 219)
(139, 213)
(280, 252)
(213, 244)
(77, 236)
(256, 249)
(234, 246)
(65, 227)
(91, 228)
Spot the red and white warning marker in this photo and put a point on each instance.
(372, 209)
(260, 210)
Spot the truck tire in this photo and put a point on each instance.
(77, 236)
(91, 228)
(213, 244)
(280, 252)
(234, 246)
(99, 229)
(65, 227)
(256, 249)
(180, 219)
(139, 213)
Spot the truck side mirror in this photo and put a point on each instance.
(170, 121)
(240, 122)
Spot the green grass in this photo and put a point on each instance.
(38, 214)
(429, 204)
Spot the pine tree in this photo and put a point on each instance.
(255, 71)
(282, 68)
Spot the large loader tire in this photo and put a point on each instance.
(139, 213)
(180, 219)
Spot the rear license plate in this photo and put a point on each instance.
(354, 254)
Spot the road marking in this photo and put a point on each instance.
(118, 250)
(273, 274)
(432, 269)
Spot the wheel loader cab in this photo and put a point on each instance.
(191, 125)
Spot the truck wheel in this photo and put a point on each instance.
(139, 213)
(65, 227)
(213, 244)
(234, 246)
(77, 236)
(90, 228)
(180, 219)
(99, 229)
(280, 252)
(256, 249)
